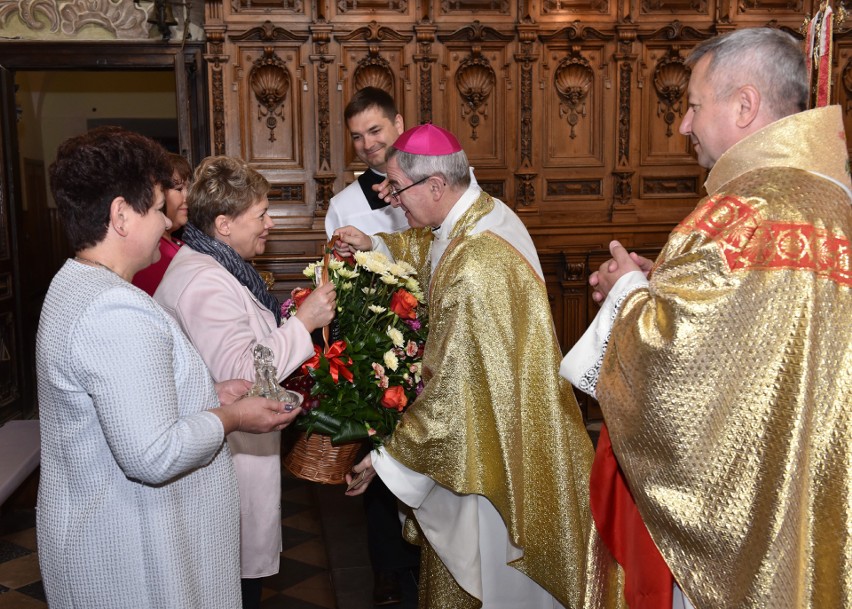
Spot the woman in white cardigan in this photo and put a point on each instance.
(225, 309)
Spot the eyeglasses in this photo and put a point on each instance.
(395, 193)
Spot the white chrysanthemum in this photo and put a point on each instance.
(375, 262)
(395, 336)
(346, 286)
(377, 309)
(369, 291)
(391, 360)
(398, 270)
(389, 279)
(334, 264)
(418, 295)
(407, 268)
(347, 273)
(311, 269)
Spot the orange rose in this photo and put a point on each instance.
(299, 294)
(395, 397)
(403, 303)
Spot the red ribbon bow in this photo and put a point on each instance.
(336, 364)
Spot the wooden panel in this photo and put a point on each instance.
(268, 80)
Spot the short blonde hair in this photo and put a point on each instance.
(223, 186)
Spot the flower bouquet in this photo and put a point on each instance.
(358, 384)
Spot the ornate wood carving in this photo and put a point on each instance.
(556, 7)
(671, 77)
(373, 33)
(793, 6)
(625, 83)
(374, 71)
(325, 190)
(475, 80)
(425, 32)
(449, 7)
(475, 33)
(625, 59)
(286, 193)
(526, 58)
(524, 190)
(675, 31)
(270, 81)
(576, 33)
(215, 58)
(324, 176)
(269, 32)
(572, 79)
(573, 188)
(257, 6)
(125, 20)
(679, 186)
(371, 6)
(623, 191)
(672, 6)
(495, 188)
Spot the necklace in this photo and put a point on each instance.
(91, 262)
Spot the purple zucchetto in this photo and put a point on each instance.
(427, 140)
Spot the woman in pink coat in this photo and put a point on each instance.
(224, 307)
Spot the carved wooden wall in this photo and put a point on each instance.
(568, 109)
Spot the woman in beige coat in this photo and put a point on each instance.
(223, 306)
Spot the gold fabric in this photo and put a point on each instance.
(495, 418)
(727, 383)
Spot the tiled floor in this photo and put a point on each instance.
(324, 563)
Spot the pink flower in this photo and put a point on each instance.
(411, 349)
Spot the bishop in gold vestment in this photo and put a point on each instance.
(492, 457)
(494, 421)
(726, 382)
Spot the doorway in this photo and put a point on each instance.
(52, 93)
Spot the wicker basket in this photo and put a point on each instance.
(315, 458)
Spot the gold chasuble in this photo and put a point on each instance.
(495, 418)
(727, 382)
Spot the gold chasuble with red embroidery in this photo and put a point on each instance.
(727, 383)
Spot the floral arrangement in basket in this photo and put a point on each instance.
(358, 386)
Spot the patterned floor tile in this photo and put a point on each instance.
(306, 579)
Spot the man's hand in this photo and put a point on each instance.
(350, 239)
(645, 264)
(360, 477)
(612, 270)
(383, 190)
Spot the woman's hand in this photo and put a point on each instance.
(318, 309)
(360, 477)
(350, 239)
(231, 391)
(255, 415)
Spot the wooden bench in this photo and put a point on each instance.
(20, 454)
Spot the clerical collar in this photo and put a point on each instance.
(468, 198)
